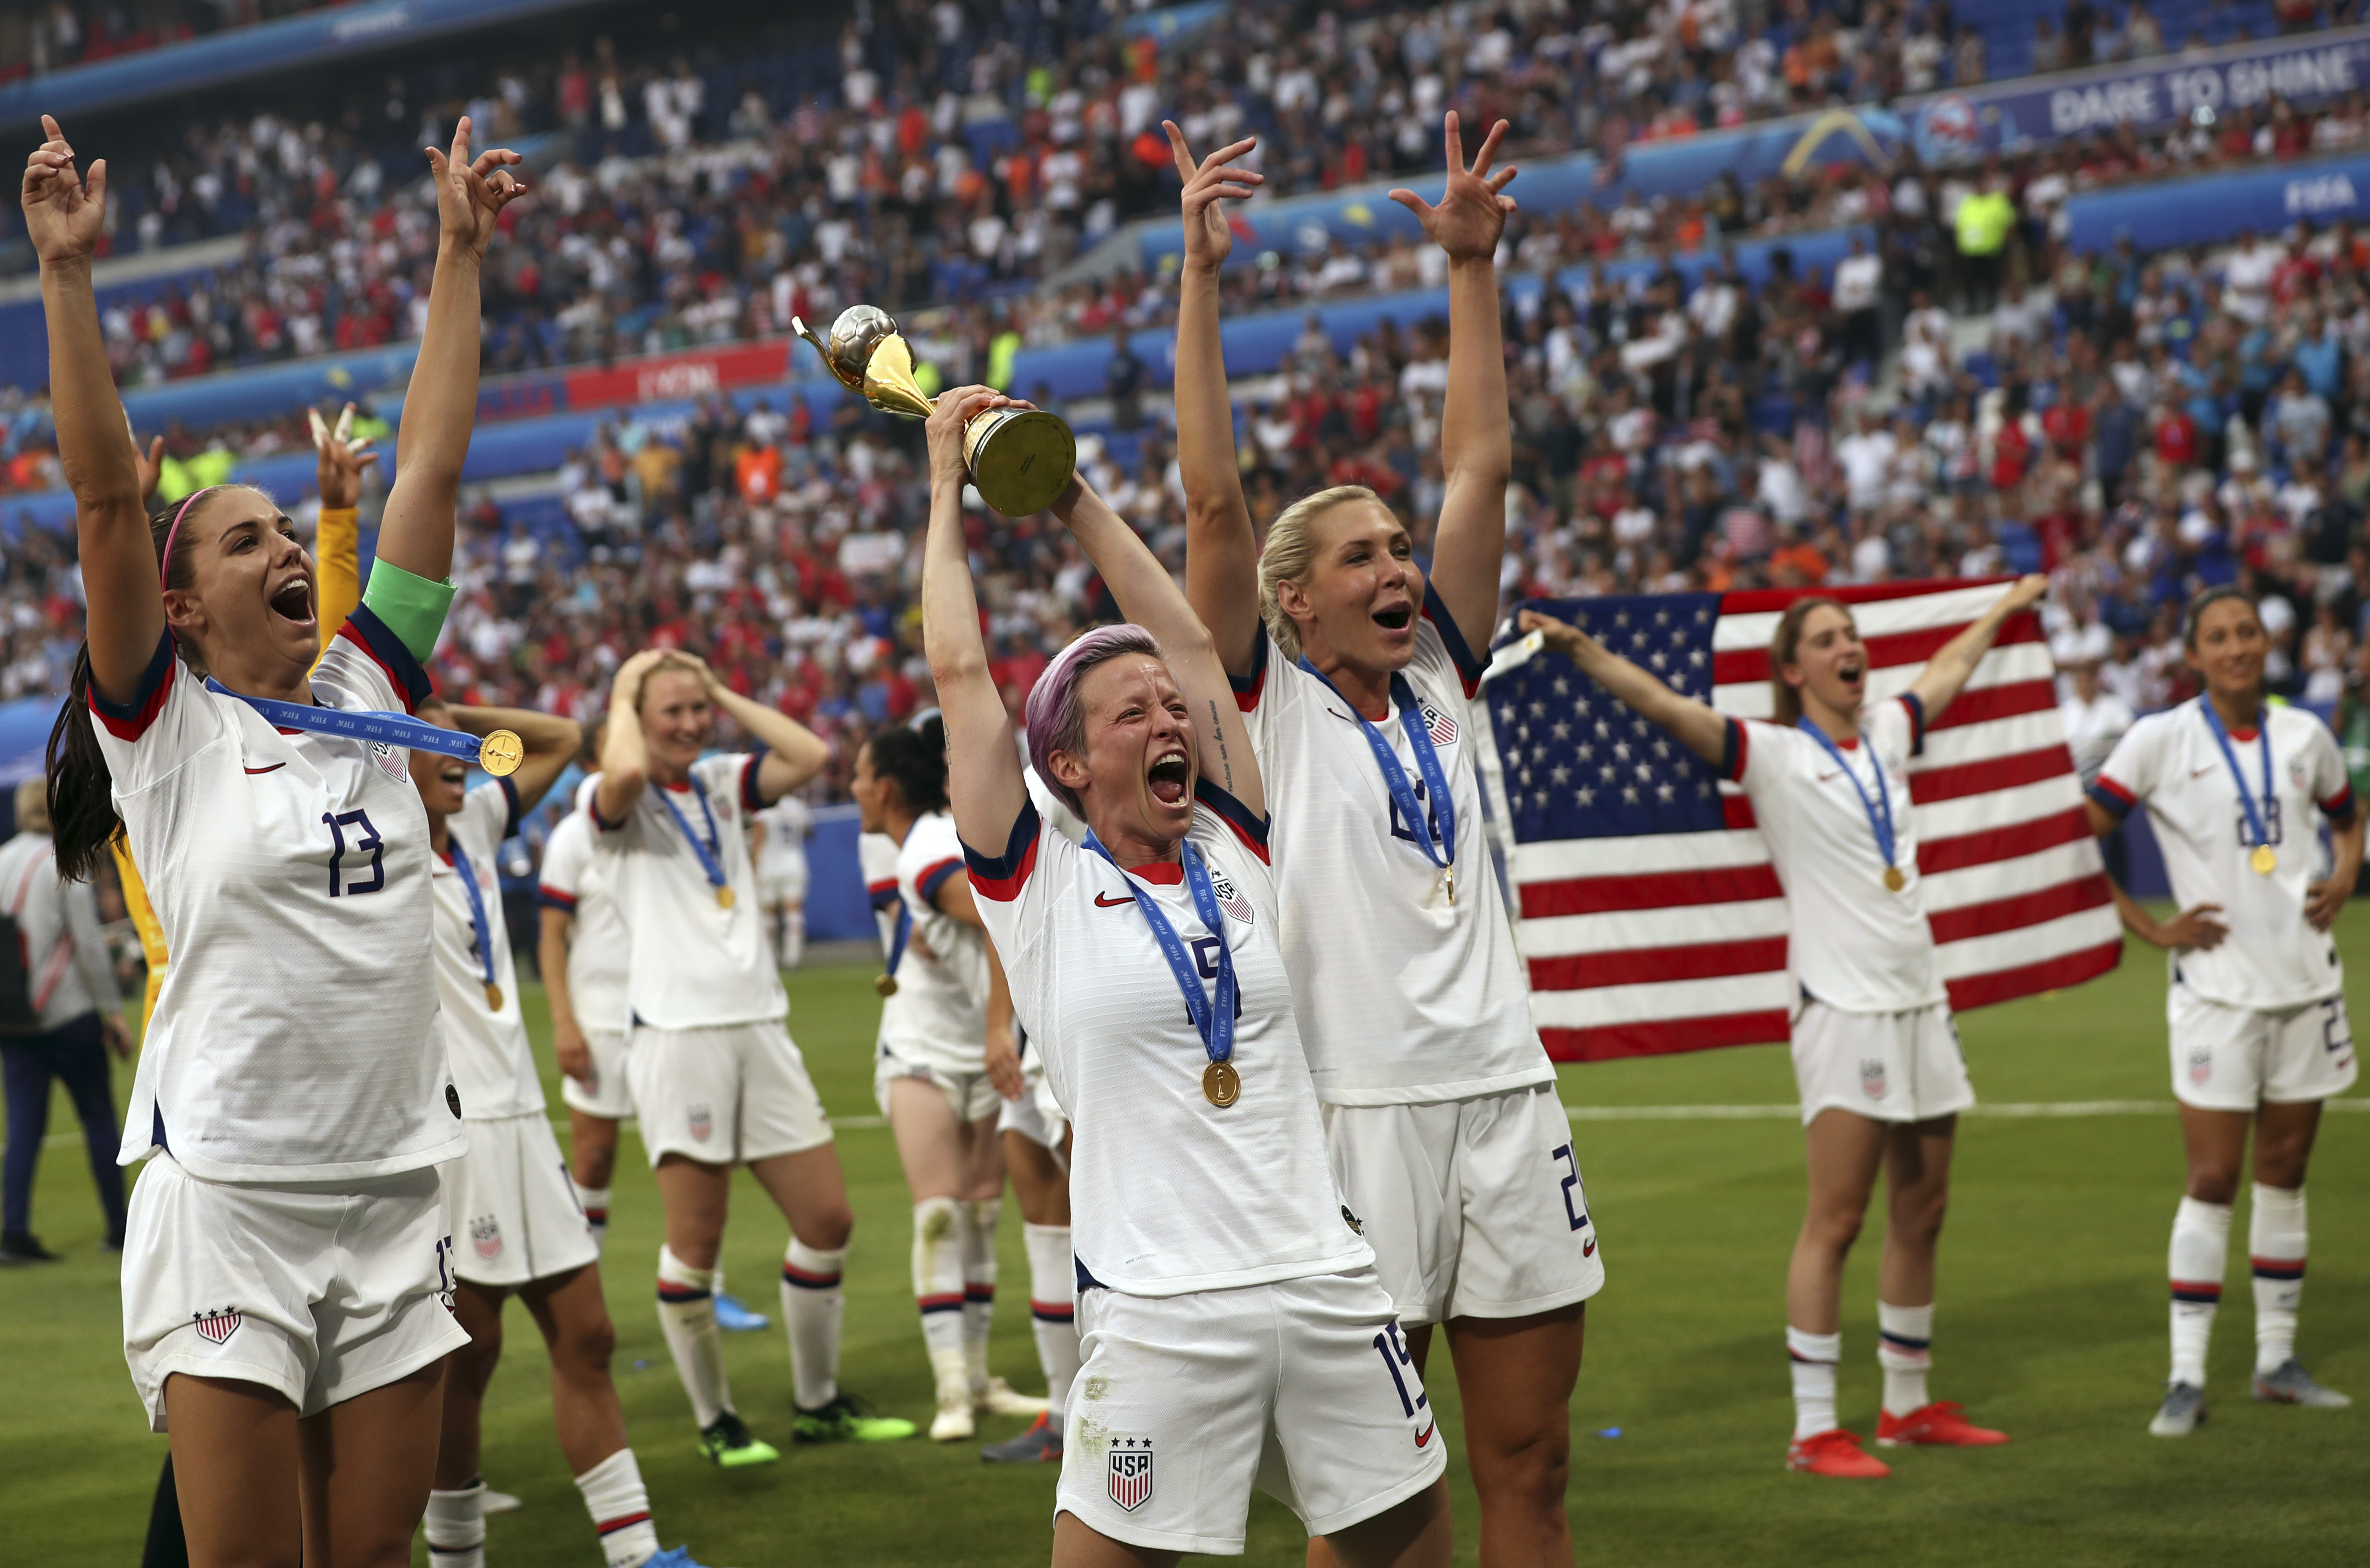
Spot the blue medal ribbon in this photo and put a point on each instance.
(476, 913)
(1215, 1023)
(710, 850)
(899, 935)
(1427, 762)
(357, 724)
(2246, 798)
(1879, 811)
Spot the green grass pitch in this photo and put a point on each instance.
(2051, 1325)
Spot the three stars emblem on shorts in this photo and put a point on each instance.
(702, 1122)
(215, 1327)
(1131, 1472)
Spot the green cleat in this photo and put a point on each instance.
(730, 1444)
(843, 1421)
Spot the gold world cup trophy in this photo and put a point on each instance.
(1019, 459)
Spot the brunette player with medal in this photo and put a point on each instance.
(293, 1146)
(1352, 670)
(2236, 786)
(1234, 1329)
(1876, 1053)
(715, 1078)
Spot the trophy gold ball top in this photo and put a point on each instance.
(848, 349)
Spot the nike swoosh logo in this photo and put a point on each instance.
(2200, 772)
(1588, 1248)
(1824, 777)
(1104, 902)
(274, 767)
(1425, 1436)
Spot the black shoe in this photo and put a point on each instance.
(23, 1247)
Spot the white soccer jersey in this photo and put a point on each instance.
(1170, 1193)
(876, 855)
(1850, 943)
(942, 981)
(2170, 763)
(692, 962)
(572, 881)
(293, 1039)
(1404, 997)
(788, 822)
(492, 1060)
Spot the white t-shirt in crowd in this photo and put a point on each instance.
(492, 1061)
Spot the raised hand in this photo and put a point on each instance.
(340, 460)
(63, 210)
(1209, 238)
(955, 409)
(1563, 637)
(1472, 213)
(471, 196)
(150, 463)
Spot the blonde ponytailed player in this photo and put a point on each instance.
(293, 1089)
(1227, 1304)
(582, 953)
(944, 997)
(1830, 790)
(715, 1080)
(1353, 672)
(2235, 788)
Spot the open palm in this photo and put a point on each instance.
(64, 212)
(470, 196)
(1472, 213)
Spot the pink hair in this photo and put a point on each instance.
(1056, 722)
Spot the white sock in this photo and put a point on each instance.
(457, 1528)
(794, 937)
(595, 1202)
(1053, 1290)
(2275, 1241)
(1905, 1349)
(687, 1317)
(978, 1233)
(2201, 1250)
(620, 1507)
(1815, 1358)
(938, 1279)
(812, 1304)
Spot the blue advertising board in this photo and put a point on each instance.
(2218, 207)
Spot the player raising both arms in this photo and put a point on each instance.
(1440, 1104)
(1226, 1301)
(1830, 789)
(2235, 787)
(715, 1079)
(287, 1257)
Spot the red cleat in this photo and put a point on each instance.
(1834, 1452)
(1936, 1426)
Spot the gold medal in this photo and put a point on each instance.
(724, 898)
(1221, 1084)
(2265, 860)
(500, 752)
(494, 995)
(885, 984)
(1894, 880)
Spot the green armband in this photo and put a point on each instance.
(412, 607)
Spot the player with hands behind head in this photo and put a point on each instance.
(1876, 1053)
(2236, 785)
(292, 1091)
(1227, 1303)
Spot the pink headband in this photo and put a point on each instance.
(165, 561)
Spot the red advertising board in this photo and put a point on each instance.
(668, 377)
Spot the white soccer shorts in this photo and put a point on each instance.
(1302, 1389)
(1036, 1115)
(515, 1214)
(1474, 1208)
(2237, 1058)
(611, 1095)
(729, 1095)
(319, 1291)
(969, 1095)
(1901, 1067)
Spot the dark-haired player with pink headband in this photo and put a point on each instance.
(286, 1271)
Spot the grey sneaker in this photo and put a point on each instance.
(498, 1503)
(2184, 1407)
(1042, 1443)
(2292, 1385)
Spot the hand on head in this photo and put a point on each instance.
(1209, 238)
(64, 210)
(1471, 215)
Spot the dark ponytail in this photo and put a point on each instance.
(915, 760)
(82, 791)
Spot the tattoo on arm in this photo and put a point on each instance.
(1226, 763)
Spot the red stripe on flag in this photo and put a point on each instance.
(2029, 837)
(1935, 785)
(1600, 895)
(2020, 909)
(1759, 601)
(2031, 979)
(1985, 703)
(1740, 664)
(1736, 811)
(1640, 966)
(1614, 1042)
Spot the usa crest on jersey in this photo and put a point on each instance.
(1437, 724)
(486, 1235)
(703, 1121)
(215, 1327)
(1230, 898)
(1131, 1472)
(1871, 1077)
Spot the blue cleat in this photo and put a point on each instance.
(672, 1557)
(735, 1319)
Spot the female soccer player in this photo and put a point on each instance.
(1876, 1053)
(1440, 1105)
(526, 1233)
(287, 1260)
(1227, 1302)
(2256, 1005)
(779, 840)
(715, 1080)
(580, 950)
(944, 996)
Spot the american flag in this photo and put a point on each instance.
(1648, 911)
